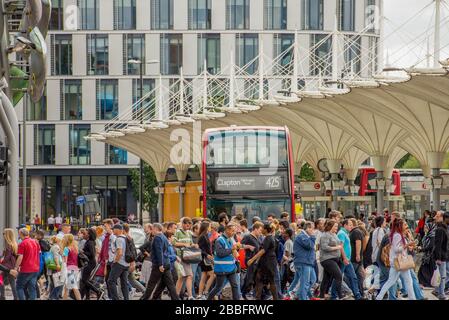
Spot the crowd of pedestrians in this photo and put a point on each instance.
(333, 258)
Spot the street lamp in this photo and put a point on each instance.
(139, 62)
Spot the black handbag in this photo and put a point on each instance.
(83, 260)
(191, 255)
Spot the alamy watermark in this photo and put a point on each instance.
(265, 148)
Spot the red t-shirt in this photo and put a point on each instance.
(29, 249)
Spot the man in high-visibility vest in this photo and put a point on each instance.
(226, 252)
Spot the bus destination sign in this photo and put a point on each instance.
(249, 183)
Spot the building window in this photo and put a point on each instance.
(147, 108)
(44, 145)
(371, 16)
(98, 54)
(209, 51)
(352, 54)
(107, 99)
(116, 155)
(321, 60)
(275, 14)
(171, 53)
(57, 16)
(124, 14)
(79, 147)
(346, 9)
(200, 14)
(89, 14)
(148, 85)
(72, 100)
(161, 14)
(247, 48)
(38, 110)
(312, 14)
(62, 54)
(283, 48)
(134, 45)
(237, 14)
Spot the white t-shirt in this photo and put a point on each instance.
(58, 220)
(51, 220)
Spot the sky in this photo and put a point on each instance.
(408, 46)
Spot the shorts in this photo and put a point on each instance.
(73, 279)
(187, 269)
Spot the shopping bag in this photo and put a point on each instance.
(436, 278)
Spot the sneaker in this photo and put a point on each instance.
(287, 297)
(314, 298)
(132, 293)
(190, 298)
(198, 297)
(292, 295)
(435, 293)
(204, 297)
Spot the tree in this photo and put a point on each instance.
(446, 162)
(150, 198)
(411, 163)
(403, 160)
(307, 173)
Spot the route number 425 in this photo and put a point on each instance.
(273, 182)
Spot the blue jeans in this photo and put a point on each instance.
(393, 278)
(28, 282)
(277, 280)
(295, 281)
(443, 267)
(56, 293)
(220, 284)
(307, 277)
(349, 272)
(194, 272)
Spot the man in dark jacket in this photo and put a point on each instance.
(161, 264)
(440, 252)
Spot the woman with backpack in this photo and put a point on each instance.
(398, 253)
(56, 274)
(9, 262)
(70, 258)
(90, 251)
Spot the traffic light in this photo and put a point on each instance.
(48, 192)
(3, 166)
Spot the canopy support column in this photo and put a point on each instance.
(334, 166)
(380, 164)
(435, 162)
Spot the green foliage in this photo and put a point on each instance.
(150, 198)
(446, 162)
(307, 173)
(403, 160)
(17, 84)
(411, 163)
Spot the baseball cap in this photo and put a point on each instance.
(21, 226)
(118, 226)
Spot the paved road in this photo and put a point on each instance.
(427, 294)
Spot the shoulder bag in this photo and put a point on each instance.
(404, 262)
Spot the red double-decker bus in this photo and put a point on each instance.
(248, 170)
(366, 174)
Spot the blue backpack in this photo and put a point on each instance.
(41, 263)
(279, 250)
